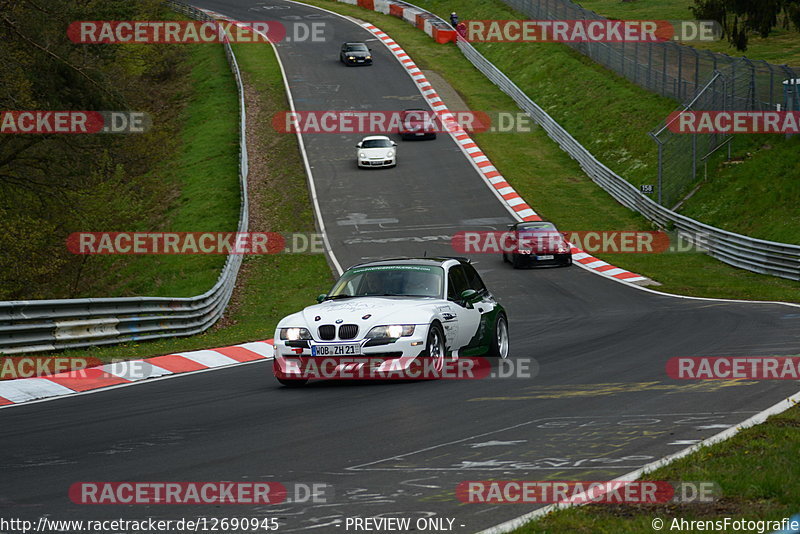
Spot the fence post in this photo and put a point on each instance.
(680, 73)
(694, 158)
(660, 171)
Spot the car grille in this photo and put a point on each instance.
(348, 331)
(327, 332)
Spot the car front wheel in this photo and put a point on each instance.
(434, 347)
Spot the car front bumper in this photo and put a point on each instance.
(387, 162)
(292, 357)
(357, 61)
(534, 260)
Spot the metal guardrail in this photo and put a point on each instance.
(42, 325)
(757, 255)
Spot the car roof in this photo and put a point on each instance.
(354, 43)
(375, 137)
(439, 261)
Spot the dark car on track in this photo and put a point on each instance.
(355, 54)
(536, 243)
(418, 124)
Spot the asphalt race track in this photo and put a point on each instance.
(601, 404)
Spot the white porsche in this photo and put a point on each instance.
(376, 151)
(406, 308)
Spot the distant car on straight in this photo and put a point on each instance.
(355, 53)
(418, 124)
(537, 243)
(376, 151)
(409, 308)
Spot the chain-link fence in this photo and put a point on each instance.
(743, 85)
(701, 79)
(667, 68)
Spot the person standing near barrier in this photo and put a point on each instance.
(453, 20)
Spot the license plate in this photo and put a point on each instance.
(360, 61)
(420, 133)
(545, 257)
(341, 349)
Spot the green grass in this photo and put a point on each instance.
(781, 47)
(612, 117)
(270, 286)
(546, 176)
(205, 177)
(770, 491)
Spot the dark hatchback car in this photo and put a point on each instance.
(355, 54)
(418, 124)
(537, 243)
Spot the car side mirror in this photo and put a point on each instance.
(394, 144)
(322, 297)
(470, 297)
(358, 145)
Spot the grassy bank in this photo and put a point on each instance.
(269, 286)
(770, 491)
(547, 177)
(204, 186)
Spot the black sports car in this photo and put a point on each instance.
(355, 54)
(537, 243)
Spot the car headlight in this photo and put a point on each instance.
(368, 57)
(390, 154)
(392, 331)
(294, 334)
(350, 57)
(362, 155)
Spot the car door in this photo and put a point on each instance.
(468, 317)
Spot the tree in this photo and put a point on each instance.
(742, 18)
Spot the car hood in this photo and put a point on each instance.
(378, 310)
(375, 152)
(357, 54)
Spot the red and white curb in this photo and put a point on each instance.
(115, 374)
(503, 190)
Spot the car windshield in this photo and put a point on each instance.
(537, 227)
(415, 114)
(376, 143)
(390, 280)
(357, 47)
